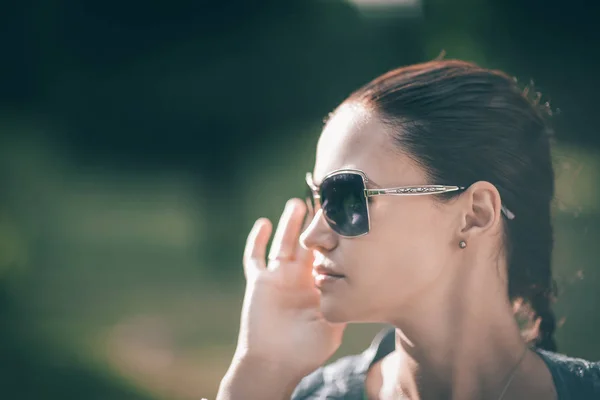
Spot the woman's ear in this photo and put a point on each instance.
(482, 206)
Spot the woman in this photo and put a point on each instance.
(432, 189)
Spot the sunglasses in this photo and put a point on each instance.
(344, 198)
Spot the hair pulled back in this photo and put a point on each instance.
(462, 124)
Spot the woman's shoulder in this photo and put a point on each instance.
(574, 378)
(340, 379)
(345, 378)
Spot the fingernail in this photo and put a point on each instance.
(256, 226)
(290, 205)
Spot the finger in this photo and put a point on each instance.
(303, 254)
(310, 213)
(286, 237)
(256, 247)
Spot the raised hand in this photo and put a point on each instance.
(281, 322)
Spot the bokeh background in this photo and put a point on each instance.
(140, 140)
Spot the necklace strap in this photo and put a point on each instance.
(513, 373)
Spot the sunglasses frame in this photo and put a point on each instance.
(416, 190)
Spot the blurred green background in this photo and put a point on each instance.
(140, 140)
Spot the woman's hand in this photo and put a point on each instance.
(281, 320)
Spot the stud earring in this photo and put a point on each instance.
(462, 244)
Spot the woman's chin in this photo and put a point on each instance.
(335, 312)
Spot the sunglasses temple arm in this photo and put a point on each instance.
(424, 190)
(411, 190)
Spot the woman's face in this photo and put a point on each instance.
(406, 254)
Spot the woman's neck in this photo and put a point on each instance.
(460, 343)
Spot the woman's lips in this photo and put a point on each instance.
(324, 276)
(326, 271)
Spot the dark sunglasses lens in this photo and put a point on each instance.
(344, 204)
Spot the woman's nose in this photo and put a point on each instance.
(318, 235)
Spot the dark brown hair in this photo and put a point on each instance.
(462, 124)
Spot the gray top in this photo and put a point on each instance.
(574, 378)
